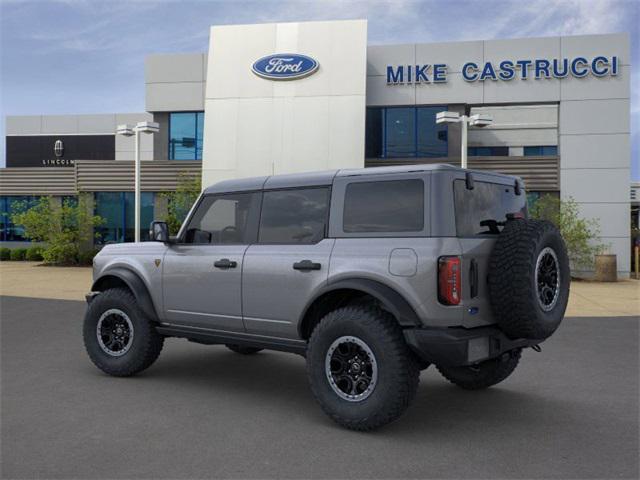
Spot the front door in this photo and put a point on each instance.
(202, 272)
(289, 262)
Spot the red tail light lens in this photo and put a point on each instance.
(449, 280)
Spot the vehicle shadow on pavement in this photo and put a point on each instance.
(280, 380)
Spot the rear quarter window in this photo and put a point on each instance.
(487, 201)
(384, 206)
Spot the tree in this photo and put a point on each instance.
(582, 236)
(180, 202)
(65, 228)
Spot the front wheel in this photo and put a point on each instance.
(485, 374)
(360, 369)
(119, 338)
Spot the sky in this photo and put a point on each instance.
(87, 56)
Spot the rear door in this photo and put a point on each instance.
(289, 262)
(486, 203)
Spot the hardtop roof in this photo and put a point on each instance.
(326, 177)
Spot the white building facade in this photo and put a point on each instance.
(292, 97)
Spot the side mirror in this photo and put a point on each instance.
(159, 232)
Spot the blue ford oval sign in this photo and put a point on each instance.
(285, 66)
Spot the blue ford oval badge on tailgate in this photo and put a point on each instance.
(285, 66)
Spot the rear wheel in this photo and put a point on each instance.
(242, 349)
(483, 375)
(119, 338)
(361, 371)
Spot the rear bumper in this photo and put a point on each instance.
(461, 346)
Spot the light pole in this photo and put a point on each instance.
(477, 120)
(128, 131)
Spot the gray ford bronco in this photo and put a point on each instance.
(371, 274)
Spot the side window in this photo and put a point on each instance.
(384, 206)
(222, 219)
(294, 216)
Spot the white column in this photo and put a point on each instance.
(463, 153)
(137, 187)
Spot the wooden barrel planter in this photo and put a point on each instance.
(606, 268)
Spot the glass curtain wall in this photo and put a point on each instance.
(117, 209)
(405, 132)
(185, 135)
(541, 151)
(10, 232)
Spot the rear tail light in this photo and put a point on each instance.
(449, 280)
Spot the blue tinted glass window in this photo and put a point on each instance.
(374, 133)
(488, 151)
(432, 138)
(199, 134)
(400, 132)
(4, 218)
(146, 215)
(117, 209)
(551, 150)
(532, 151)
(10, 205)
(185, 135)
(108, 206)
(541, 151)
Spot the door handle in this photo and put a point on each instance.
(306, 265)
(225, 263)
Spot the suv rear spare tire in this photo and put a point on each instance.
(529, 279)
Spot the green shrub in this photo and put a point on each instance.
(65, 228)
(86, 258)
(34, 254)
(180, 202)
(5, 253)
(580, 235)
(18, 253)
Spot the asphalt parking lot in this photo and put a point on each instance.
(201, 411)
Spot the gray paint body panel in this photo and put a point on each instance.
(369, 258)
(198, 294)
(274, 295)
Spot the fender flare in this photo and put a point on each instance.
(135, 284)
(391, 300)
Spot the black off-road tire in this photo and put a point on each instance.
(483, 375)
(145, 345)
(422, 364)
(398, 373)
(242, 349)
(513, 291)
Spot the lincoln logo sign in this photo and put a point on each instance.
(505, 70)
(285, 66)
(58, 148)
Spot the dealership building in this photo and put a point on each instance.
(292, 97)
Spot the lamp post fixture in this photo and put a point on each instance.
(477, 120)
(128, 131)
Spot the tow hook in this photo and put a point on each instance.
(536, 348)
